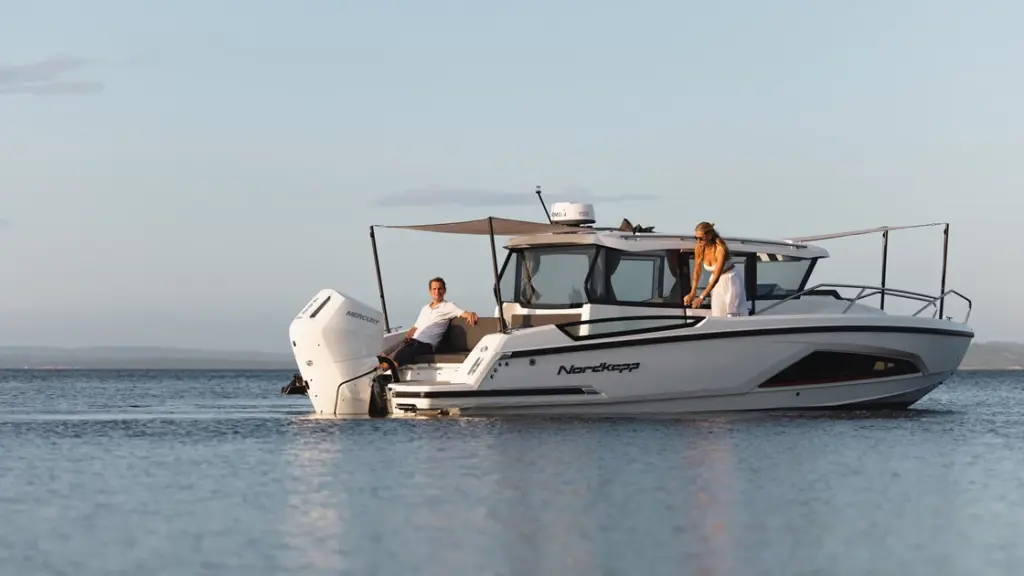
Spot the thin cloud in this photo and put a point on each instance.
(55, 88)
(477, 197)
(46, 77)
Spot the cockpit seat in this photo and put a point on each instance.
(460, 338)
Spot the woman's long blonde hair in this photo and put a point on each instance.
(709, 232)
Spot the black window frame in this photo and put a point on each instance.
(672, 323)
(661, 257)
(515, 259)
(599, 293)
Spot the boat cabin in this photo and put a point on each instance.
(549, 272)
(586, 275)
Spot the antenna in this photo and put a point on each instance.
(541, 198)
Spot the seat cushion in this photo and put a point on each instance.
(533, 320)
(450, 358)
(461, 338)
(458, 341)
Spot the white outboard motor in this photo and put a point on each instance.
(336, 340)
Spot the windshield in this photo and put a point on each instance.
(552, 277)
(571, 276)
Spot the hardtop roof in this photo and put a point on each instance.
(651, 241)
(526, 233)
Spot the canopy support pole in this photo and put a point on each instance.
(380, 282)
(885, 261)
(945, 255)
(497, 279)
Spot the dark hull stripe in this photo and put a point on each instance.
(507, 393)
(900, 399)
(744, 333)
(790, 383)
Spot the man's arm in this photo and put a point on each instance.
(470, 317)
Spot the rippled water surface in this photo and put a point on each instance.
(216, 473)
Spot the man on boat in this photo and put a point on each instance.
(430, 325)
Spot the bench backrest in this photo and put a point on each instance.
(461, 337)
(529, 320)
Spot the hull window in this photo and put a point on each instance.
(829, 367)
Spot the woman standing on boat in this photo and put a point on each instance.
(726, 284)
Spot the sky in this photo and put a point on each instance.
(185, 173)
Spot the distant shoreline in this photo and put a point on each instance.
(139, 358)
(148, 368)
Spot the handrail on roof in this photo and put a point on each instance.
(867, 291)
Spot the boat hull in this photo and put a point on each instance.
(718, 366)
(894, 394)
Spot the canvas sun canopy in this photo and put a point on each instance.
(482, 227)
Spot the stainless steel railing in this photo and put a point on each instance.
(869, 291)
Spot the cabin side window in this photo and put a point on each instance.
(554, 277)
(657, 278)
(571, 276)
(738, 260)
(780, 276)
(777, 276)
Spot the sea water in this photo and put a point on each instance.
(193, 472)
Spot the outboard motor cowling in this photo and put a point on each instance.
(336, 340)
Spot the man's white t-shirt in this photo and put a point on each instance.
(432, 322)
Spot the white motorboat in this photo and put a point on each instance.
(590, 321)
